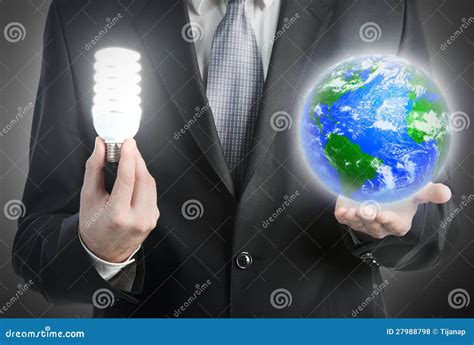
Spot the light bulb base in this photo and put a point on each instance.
(113, 152)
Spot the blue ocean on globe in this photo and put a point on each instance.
(375, 128)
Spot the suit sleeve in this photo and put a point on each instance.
(426, 242)
(47, 248)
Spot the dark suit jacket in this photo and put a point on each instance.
(302, 249)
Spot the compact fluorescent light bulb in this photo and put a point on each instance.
(116, 112)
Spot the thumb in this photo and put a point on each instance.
(436, 193)
(94, 174)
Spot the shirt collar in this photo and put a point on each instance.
(197, 5)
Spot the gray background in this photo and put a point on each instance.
(409, 294)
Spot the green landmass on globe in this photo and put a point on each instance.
(375, 128)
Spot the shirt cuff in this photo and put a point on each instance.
(107, 270)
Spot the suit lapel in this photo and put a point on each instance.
(291, 55)
(160, 26)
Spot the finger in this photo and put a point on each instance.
(125, 181)
(368, 212)
(339, 214)
(376, 230)
(355, 222)
(392, 223)
(437, 193)
(358, 226)
(144, 193)
(387, 218)
(94, 173)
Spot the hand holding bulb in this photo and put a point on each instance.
(113, 226)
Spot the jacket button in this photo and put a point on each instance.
(369, 259)
(243, 260)
(366, 257)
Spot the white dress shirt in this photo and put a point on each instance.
(206, 16)
(106, 269)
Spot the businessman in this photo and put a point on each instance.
(190, 223)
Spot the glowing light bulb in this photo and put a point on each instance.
(116, 112)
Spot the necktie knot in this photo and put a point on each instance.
(236, 2)
(235, 8)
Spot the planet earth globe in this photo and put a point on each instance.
(375, 128)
